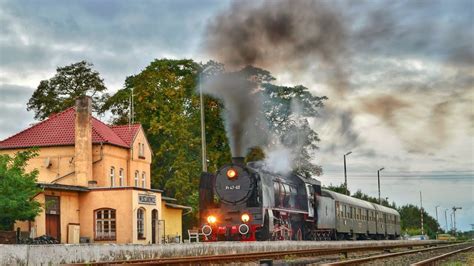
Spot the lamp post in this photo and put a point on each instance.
(345, 172)
(203, 130)
(437, 226)
(446, 220)
(421, 214)
(378, 178)
(454, 214)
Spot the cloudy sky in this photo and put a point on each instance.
(399, 76)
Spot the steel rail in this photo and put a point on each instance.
(251, 256)
(432, 261)
(383, 256)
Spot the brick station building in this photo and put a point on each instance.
(95, 180)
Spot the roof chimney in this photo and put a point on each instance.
(83, 141)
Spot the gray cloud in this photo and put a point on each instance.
(13, 114)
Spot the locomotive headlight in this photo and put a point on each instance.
(245, 217)
(211, 219)
(231, 173)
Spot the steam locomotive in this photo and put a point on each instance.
(245, 202)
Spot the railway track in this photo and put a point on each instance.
(257, 256)
(433, 261)
(460, 247)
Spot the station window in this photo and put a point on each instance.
(105, 224)
(121, 184)
(141, 150)
(112, 176)
(141, 223)
(136, 178)
(143, 179)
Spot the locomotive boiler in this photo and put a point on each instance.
(246, 202)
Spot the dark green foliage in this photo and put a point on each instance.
(17, 189)
(339, 189)
(366, 197)
(411, 219)
(167, 105)
(288, 111)
(60, 92)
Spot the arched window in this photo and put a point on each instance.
(143, 179)
(141, 223)
(112, 176)
(121, 177)
(105, 224)
(136, 178)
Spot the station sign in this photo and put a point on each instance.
(146, 199)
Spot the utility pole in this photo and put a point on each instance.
(203, 126)
(345, 172)
(451, 222)
(378, 178)
(446, 220)
(421, 213)
(437, 226)
(454, 214)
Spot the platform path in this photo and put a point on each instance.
(84, 253)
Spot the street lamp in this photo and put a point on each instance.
(345, 171)
(446, 220)
(437, 206)
(378, 178)
(203, 130)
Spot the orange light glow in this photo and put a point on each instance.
(211, 219)
(231, 173)
(245, 217)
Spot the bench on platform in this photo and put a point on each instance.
(194, 234)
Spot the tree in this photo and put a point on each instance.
(17, 189)
(288, 111)
(368, 198)
(338, 189)
(410, 220)
(167, 106)
(60, 92)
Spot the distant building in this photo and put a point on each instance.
(95, 180)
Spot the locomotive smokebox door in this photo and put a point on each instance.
(234, 184)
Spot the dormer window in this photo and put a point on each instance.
(141, 150)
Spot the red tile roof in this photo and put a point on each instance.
(58, 130)
(126, 132)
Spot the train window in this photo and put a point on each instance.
(345, 211)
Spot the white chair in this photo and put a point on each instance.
(193, 234)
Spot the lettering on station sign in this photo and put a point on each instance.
(147, 199)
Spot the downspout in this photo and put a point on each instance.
(70, 173)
